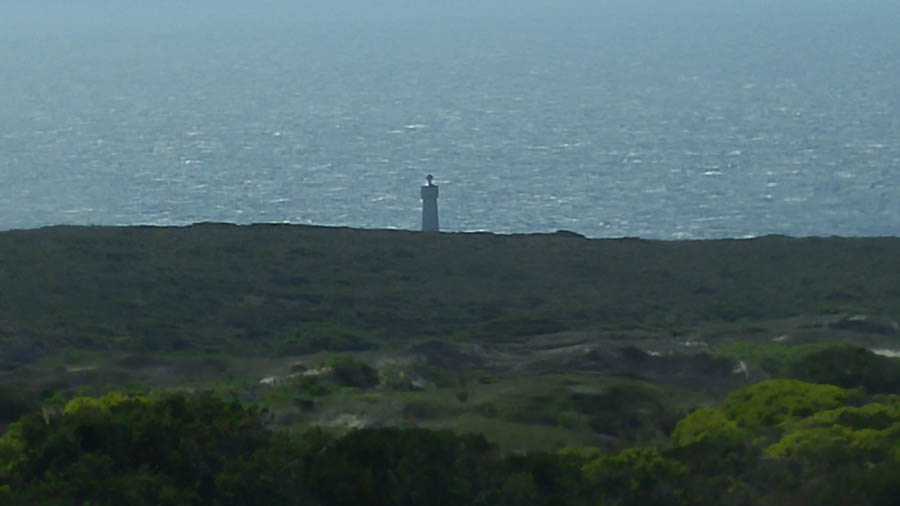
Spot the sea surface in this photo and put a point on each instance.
(693, 119)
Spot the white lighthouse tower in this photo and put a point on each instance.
(429, 206)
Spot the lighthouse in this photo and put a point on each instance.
(429, 206)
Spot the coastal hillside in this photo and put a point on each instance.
(283, 289)
(765, 369)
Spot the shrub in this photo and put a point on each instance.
(15, 404)
(707, 425)
(311, 385)
(638, 476)
(848, 366)
(351, 372)
(775, 402)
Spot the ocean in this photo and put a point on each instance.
(654, 119)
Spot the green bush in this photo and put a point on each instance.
(707, 425)
(311, 385)
(848, 366)
(775, 402)
(186, 450)
(870, 432)
(351, 372)
(401, 468)
(638, 477)
(15, 404)
(199, 449)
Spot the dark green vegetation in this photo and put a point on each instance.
(776, 442)
(273, 290)
(353, 367)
